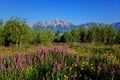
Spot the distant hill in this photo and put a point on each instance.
(116, 26)
(62, 25)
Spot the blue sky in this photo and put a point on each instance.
(75, 11)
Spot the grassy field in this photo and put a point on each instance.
(73, 61)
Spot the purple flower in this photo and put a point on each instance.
(26, 65)
(68, 55)
(8, 57)
(16, 66)
(113, 70)
(1, 66)
(50, 49)
(77, 59)
(44, 52)
(56, 66)
(41, 59)
(15, 60)
(20, 61)
(9, 69)
(64, 52)
(30, 62)
(53, 69)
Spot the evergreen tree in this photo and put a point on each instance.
(57, 37)
(82, 34)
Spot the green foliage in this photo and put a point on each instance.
(83, 34)
(1, 33)
(67, 37)
(96, 34)
(16, 31)
(99, 34)
(42, 37)
(75, 35)
(117, 39)
(46, 37)
(36, 35)
(1, 23)
(92, 34)
(108, 33)
(57, 37)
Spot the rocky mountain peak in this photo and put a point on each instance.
(62, 25)
(54, 23)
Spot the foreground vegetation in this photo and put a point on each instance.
(68, 62)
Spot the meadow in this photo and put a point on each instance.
(61, 62)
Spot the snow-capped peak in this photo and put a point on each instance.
(54, 23)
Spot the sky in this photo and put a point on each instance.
(74, 11)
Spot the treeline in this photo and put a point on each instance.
(99, 35)
(15, 31)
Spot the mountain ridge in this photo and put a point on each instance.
(63, 25)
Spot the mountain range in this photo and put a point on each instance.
(62, 25)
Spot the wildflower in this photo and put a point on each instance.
(113, 71)
(80, 75)
(65, 64)
(63, 52)
(99, 67)
(75, 65)
(56, 66)
(92, 68)
(86, 63)
(41, 59)
(14, 59)
(70, 68)
(82, 65)
(104, 66)
(1, 66)
(65, 77)
(9, 69)
(68, 55)
(20, 61)
(77, 58)
(53, 69)
(91, 64)
(81, 68)
(83, 62)
(44, 52)
(58, 78)
(16, 66)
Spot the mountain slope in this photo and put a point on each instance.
(116, 26)
(56, 25)
(62, 25)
